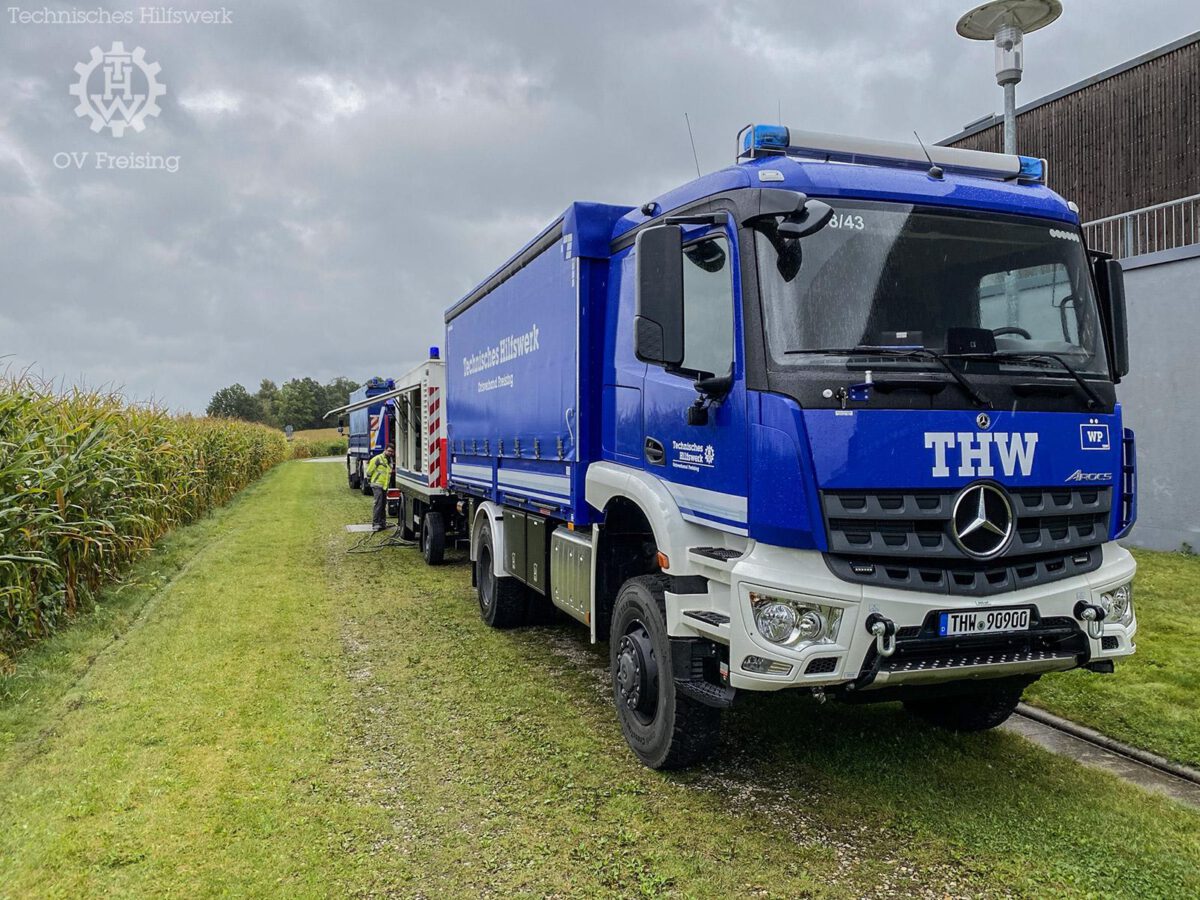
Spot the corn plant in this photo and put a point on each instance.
(89, 482)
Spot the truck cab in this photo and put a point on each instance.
(370, 430)
(847, 422)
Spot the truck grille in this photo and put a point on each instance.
(902, 539)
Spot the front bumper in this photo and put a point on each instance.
(1057, 641)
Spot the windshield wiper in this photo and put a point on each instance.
(1094, 399)
(911, 353)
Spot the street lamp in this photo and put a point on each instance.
(1006, 22)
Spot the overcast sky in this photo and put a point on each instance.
(346, 171)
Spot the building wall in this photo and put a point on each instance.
(1116, 142)
(1160, 398)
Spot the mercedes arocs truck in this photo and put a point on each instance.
(840, 417)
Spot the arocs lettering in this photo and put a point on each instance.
(976, 450)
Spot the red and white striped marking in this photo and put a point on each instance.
(436, 443)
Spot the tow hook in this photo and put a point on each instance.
(884, 630)
(1092, 617)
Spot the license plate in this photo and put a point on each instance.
(982, 621)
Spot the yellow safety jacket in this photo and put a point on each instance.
(379, 470)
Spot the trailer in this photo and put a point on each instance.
(411, 413)
(838, 418)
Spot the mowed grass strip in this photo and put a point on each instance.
(287, 719)
(192, 755)
(1153, 699)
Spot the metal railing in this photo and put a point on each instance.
(1163, 226)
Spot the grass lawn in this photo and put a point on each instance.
(1153, 699)
(268, 715)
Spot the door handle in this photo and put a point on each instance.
(655, 454)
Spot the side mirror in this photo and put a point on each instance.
(658, 323)
(341, 426)
(1111, 279)
(810, 218)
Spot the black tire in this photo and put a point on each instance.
(988, 706)
(433, 538)
(501, 600)
(665, 729)
(364, 483)
(404, 517)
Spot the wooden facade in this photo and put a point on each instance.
(1121, 140)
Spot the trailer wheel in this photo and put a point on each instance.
(665, 729)
(404, 517)
(501, 600)
(433, 538)
(988, 706)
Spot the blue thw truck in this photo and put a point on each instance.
(840, 417)
(369, 429)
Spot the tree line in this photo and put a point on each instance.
(300, 402)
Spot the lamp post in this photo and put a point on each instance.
(1005, 23)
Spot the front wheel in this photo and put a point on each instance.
(433, 538)
(665, 729)
(988, 706)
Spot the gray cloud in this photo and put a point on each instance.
(347, 171)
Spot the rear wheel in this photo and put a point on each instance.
(404, 516)
(988, 706)
(433, 538)
(665, 729)
(501, 600)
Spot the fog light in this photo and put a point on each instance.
(769, 666)
(811, 626)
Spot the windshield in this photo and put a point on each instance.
(898, 276)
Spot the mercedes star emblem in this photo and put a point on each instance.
(982, 524)
(984, 421)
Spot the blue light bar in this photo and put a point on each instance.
(760, 140)
(765, 138)
(1032, 168)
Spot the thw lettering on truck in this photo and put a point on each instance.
(976, 451)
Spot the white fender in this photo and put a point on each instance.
(489, 511)
(672, 533)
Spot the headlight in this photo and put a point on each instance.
(776, 621)
(794, 622)
(1118, 604)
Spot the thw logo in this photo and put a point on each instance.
(977, 450)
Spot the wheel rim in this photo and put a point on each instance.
(485, 579)
(636, 673)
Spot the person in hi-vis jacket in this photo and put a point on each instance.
(379, 474)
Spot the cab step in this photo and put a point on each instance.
(707, 615)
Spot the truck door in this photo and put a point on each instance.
(703, 465)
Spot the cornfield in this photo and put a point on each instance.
(89, 482)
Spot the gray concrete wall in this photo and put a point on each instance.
(1161, 395)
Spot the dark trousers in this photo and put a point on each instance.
(379, 513)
